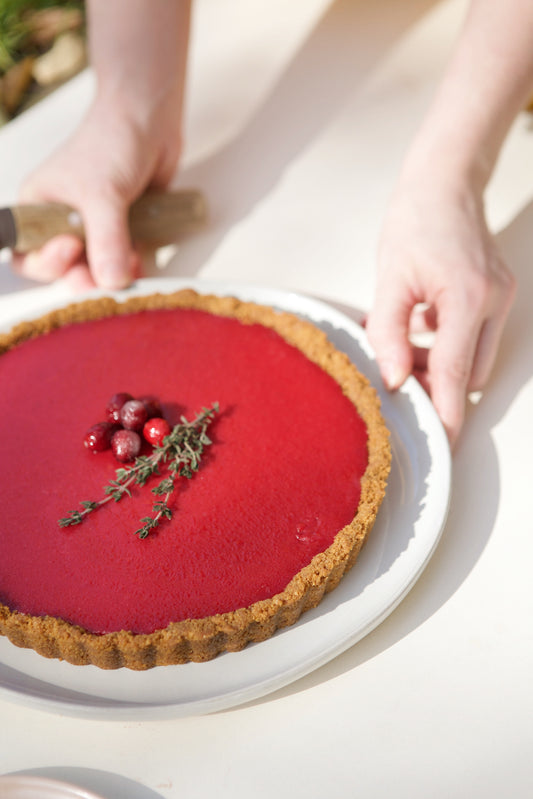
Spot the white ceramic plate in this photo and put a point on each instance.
(22, 787)
(404, 537)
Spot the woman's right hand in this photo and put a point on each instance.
(107, 164)
(129, 141)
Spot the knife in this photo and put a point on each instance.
(156, 218)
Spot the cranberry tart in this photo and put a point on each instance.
(270, 520)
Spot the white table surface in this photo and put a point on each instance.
(298, 116)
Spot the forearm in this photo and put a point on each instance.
(130, 140)
(487, 83)
(138, 49)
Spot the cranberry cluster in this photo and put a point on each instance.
(128, 419)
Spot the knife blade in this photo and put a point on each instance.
(155, 219)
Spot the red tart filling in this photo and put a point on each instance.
(280, 480)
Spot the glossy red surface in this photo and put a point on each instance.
(282, 477)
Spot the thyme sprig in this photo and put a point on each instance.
(181, 453)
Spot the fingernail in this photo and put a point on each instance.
(393, 376)
(111, 275)
(31, 265)
(37, 267)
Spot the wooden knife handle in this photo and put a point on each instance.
(155, 219)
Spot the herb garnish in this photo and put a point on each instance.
(181, 451)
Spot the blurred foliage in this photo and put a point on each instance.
(14, 29)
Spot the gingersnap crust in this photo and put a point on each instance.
(203, 639)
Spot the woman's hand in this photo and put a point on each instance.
(129, 141)
(100, 171)
(436, 250)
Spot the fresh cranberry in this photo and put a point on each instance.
(155, 431)
(133, 415)
(152, 405)
(115, 404)
(126, 445)
(98, 437)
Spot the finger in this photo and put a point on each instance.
(79, 278)
(51, 261)
(421, 376)
(388, 333)
(490, 337)
(450, 364)
(110, 255)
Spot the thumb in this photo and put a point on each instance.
(112, 261)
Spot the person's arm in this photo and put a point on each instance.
(130, 139)
(435, 247)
